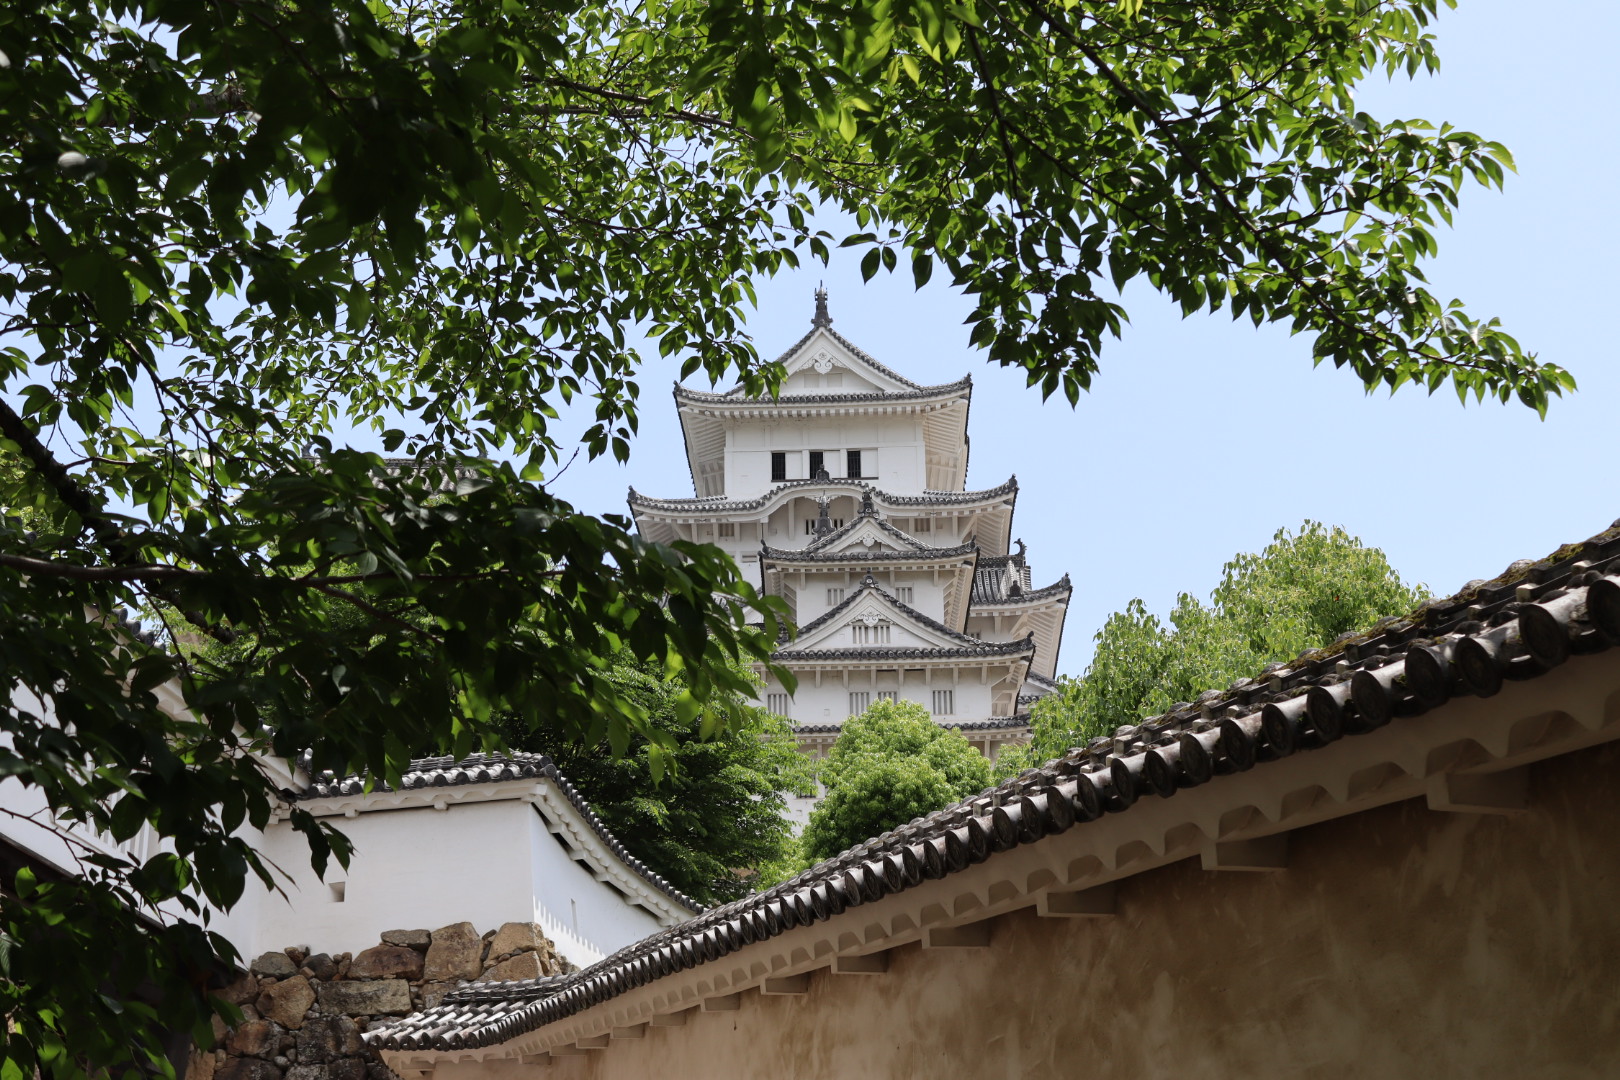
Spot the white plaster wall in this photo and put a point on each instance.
(592, 918)
(486, 863)
(892, 449)
(829, 702)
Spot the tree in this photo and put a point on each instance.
(890, 764)
(232, 228)
(716, 816)
(1301, 593)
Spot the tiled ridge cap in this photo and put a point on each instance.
(788, 401)
(437, 772)
(997, 724)
(914, 554)
(928, 498)
(1516, 626)
(1061, 587)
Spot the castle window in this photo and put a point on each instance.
(888, 695)
(778, 465)
(728, 529)
(922, 525)
(777, 703)
(944, 702)
(859, 701)
(875, 634)
(835, 597)
(852, 461)
(810, 525)
(902, 593)
(818, 464)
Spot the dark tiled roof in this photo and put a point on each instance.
(1515, 627)
(885, 397)
(1001, 598)
(990, 577)
(720, 504)
(437, 772)
(965, 646)
(788, 555)
(1003, 723)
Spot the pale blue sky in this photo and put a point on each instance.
(1202, 437)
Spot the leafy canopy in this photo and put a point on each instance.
(1302, 592)
(232, 229)
(719, 814)
(890, 764)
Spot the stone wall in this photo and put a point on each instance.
(303, 1014)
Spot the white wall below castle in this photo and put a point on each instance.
(486, 863)
(830, 702)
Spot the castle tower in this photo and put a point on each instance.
(846, 496)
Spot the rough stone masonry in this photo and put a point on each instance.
(303, 1013)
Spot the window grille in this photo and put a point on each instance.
(852, 461)
(778, 465)
(944, 702)
(859, 701)
(922, 525)
(876, 634)
(810, 525)
(902, 593)
(777, 703)
(888, 695)
(817, 464)
(835, 597)
(728, 529)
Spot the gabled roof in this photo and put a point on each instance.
(1519, 626)
(855, 542)
(942, 641)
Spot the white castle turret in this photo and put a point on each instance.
(846, 496)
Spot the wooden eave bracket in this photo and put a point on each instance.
(871, 964)
(786, 985)
(974, 935)
(1503, 792)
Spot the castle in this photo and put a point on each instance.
(846, 496)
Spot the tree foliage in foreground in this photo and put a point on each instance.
(230, 230)
(890, 764)
(716, 816)
(1300, 593)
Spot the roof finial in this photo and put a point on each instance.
(821, 316)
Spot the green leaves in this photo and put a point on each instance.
(890, 764)
(1303, 591)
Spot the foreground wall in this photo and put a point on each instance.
(1398, 942)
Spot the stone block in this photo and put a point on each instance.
(277, 965)
(247, 1069)
(255, 1038)
(350, 1068)
(242, 991)
(322, 967)
(308, 1072)
(325, 1038)
(387, 962)
(457, 952)
(287, 1001)
(410, 939)
(518, 937)
(380, 996)
(433, 992)
(524, 965)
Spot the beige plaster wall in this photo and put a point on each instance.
(1401, 942)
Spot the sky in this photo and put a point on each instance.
(1202, 437)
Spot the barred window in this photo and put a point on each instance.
(835, 597)
(876, 634)
(778, 465)
(728, 528)
(902, 593)
(777, 703)
(944, 702)
(888, 695)
(859, 701)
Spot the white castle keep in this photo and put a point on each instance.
(846, 495)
